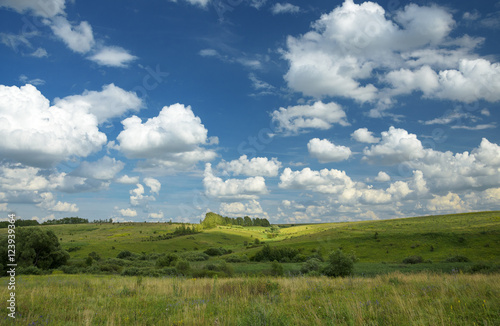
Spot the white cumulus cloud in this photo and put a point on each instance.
(230, 189)
(257, 166)
(173, 139)
(362, 135)
(40, 134)
(295, 119)
(325, 151)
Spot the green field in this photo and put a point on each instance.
(394, 299)
(381, 291)
(379, 245)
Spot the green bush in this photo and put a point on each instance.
(270, 254)
(315, 255)
(195, 256)
(300, 258)
(226, 268)
(217, 251)
(70, 269)
(339, 264)
(30, 270)
(236, 259)
(413, 260)
(124, 254)
(167, 260)
(131, 271)
(276, 269)
(183, 267)
(457, 259)
(95, 256)
(110, 268)
(312, 264)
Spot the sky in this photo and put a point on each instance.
(298, 112)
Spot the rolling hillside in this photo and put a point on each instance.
(475, 235)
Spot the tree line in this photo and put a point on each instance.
(212, 220)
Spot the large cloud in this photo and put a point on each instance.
(39, 134)
(295, 119)
(257, 166)
(232, 189)
(357, 51)
(396, 146)
(174, 138)
(111, 102)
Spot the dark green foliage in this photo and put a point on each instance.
(71, 249)
(300, 258)
(217, 251)
(124, 254)
(257, 241)
(183, 267)
(316, 255)
(167, 260)
(270, 254)
(95, 256)
(19, 223)
(67, 220)
(131, 271)
(276, 269)
(102, 221)
(312, 264)
(457, 259)
(195, 256)
(212, 220)
(339, 264)
(89, 261)
(35, 247)
(30, 270)
(413, 260)
(185, 230)
(236, 259)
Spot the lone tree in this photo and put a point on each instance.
(339, 264)
(35, 247)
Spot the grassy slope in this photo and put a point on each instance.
(475, 235)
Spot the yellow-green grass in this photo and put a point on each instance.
(394, 299)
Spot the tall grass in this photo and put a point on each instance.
(392, 299)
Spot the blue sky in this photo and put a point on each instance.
(293, 111)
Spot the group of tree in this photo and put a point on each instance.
(185, 230)
(35, 249)
(67, 220)
(20, 222)
(101, 221)
(212, 220)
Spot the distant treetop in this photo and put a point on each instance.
(212, 220)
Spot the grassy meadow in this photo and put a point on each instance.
(381, 291)
(392, 299)
(380, 246)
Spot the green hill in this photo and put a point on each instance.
(379, 245)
